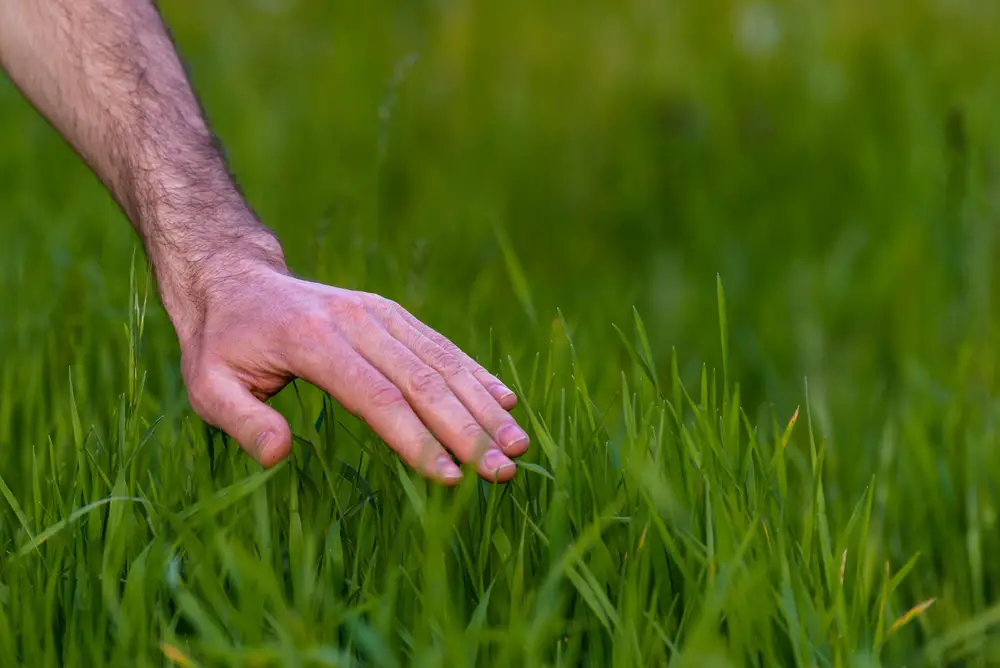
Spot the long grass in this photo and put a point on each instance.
(655, 527)
(737, 259)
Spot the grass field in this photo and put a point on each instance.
(737, 260)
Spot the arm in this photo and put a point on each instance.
(106, 75)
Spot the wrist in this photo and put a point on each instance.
(202, 262)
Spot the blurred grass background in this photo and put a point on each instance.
(836, 164)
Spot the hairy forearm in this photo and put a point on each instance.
(106, 75)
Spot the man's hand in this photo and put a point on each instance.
(261, 328)
(106, 75)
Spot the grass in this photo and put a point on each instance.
(639, 543)
(736, 259)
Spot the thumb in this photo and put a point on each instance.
(224, 402)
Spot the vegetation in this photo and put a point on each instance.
(737, 259)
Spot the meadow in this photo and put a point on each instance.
(736, 259)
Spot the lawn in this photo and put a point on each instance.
(737, 259)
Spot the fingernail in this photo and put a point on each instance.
(447, 469)
(496, 460)
(512, 436)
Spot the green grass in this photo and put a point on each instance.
(746, 298)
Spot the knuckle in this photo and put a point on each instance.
(425, 381)
(438, 338)
(390, 306)
(352, 376)
(422, 450)
(447, 363)
(357, 388)
(384, 303)
(400, 312)
(385, 395)
(471, 432)
(387, 309)
(481, 374)
(377, 306)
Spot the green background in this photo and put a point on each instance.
(490, 164)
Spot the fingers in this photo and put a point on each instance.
(494, 385)
(470, 391)
(335, 367)
(224, 402)
(434, 402)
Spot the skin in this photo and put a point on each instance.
(106, 75)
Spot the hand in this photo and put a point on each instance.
(418, 391)
(106, 75)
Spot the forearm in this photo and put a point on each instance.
(106, 75)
